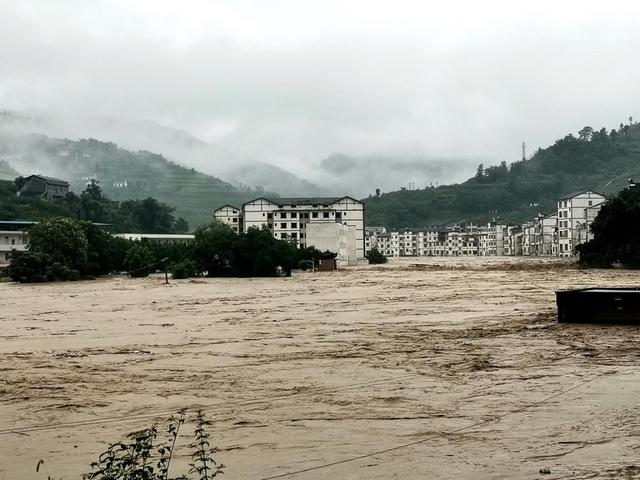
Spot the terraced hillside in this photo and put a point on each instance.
(122, 174)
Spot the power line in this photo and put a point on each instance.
(435, 435)
(244, 403)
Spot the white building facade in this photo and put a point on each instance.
(555, 234)
(13, 237)
(287, 218)
(576, 212)
(229, 215)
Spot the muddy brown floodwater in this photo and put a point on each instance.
(461, 361)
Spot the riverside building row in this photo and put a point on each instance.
(556, 234)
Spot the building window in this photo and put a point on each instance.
(294, 215)
(294, 235)
(235, 220)
(325, 214)
(283, 215)
(294, 225)
(283, 225)
(314, 214)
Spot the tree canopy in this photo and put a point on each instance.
(142, 216)
(616, 233)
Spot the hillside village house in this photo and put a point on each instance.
(46, 187)
(295, 219)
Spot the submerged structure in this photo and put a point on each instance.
(599, 305)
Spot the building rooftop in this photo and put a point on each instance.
(575, 194)
(156, 236)
(52, 180)
(227, 205)
(16, 222)
(303, 200)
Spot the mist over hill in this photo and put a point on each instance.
(364, 174)
(337, 174)
(121, 173)
(600, 160)
(173, 144)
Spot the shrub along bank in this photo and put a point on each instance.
(66, 249)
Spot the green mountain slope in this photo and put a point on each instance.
(122, 174)
(173, 144)
(598, 160)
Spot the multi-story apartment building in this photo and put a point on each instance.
(527, 237)
(575, 215)
(431, 242)
(555, 234)
(408, 244)
(462, 244)
(387, 243)
(13, 236)
(230, 215)
(287, 218)
(545, 235)
(513, 240)
(491, 238)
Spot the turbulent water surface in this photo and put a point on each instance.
(460, 361)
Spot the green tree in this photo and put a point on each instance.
(146, 216)
(212, 248)
(19, 182)
(375, 257)
(63, 239)
(104, 252)
(614, 241)
(92, 204)
(30, 267)
(585, 134)
(183, 269)
(139, 260)
(181, 225)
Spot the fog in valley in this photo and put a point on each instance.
(343, 98)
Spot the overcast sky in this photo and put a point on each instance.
(290, 81)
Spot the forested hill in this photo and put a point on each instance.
(122, 174)
(595, 159)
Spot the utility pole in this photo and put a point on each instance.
(166, 273)
(524, 151)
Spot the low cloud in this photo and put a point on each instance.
(291, 85)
